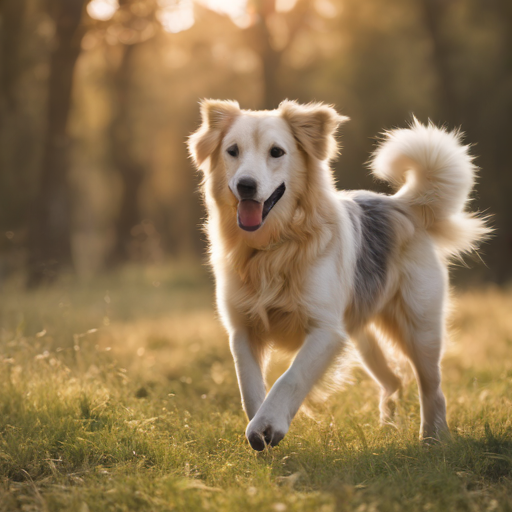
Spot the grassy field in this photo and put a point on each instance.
(119, 393)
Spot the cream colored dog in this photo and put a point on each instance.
(303, 267)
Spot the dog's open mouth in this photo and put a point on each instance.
(252, 214)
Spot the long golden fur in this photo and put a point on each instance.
(325, 265)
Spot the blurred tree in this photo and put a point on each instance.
(12, 135)
(488, 105)
(12, 16)
(478, 98)
(135, 23)
(130, 168)
(49, 236)
(434, 12)
(271, 34)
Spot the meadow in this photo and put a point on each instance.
(118, 393)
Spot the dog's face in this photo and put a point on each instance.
(256, 163)
(259, 153)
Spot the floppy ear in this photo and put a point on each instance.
(216, 118)
(313, 126)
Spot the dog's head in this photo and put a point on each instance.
(256, 163)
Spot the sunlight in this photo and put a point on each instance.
(326, 8)
(234, 8)
(176, 17)
(102, 10)
(285, 5)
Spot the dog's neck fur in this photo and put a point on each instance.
(272, 276)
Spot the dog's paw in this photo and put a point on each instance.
(259, 441)
(388, 405)
(262, 434)
(387, 410)
(440, 433)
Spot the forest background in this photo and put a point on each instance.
(98, 97)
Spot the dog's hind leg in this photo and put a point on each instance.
(422, 345)
(425, 357)
(375, 363)
(415, 320)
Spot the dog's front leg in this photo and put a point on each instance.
(248, 372)
(273, 418)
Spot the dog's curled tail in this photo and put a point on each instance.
(434, 173)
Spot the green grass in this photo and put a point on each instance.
(119, 393)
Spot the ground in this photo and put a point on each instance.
(118, 393)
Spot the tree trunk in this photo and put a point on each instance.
(433, 12)
(472, 114)
(12, 12)
(260, 39)
(270, 58)
(16, 132)
(131, 171)
(49, 237)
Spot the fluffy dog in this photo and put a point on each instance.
(304, 267)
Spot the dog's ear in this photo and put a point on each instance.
(313, 126)
(216, 117)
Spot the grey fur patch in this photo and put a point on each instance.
(374, 231)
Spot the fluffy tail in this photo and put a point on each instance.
(434, 173)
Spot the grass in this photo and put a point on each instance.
(119, 394)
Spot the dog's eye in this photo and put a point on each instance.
(276, 152)
(233, 150)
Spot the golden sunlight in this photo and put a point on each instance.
(285, 5)
(102, 10)
(234, 8)
(179, 16)
(176, 16)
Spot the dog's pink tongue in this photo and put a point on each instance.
(250, 213)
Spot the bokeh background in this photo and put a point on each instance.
(97, 98)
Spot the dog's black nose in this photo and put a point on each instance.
(247, 188)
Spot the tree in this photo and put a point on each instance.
(261, 37)
(141, 26)
(434, 11)
(480, 102)
(12, 21)
(49, 236)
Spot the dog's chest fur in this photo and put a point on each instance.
(271, 304)
(270, 291)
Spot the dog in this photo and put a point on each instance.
(303, 267)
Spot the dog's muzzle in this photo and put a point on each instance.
(252, 214)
